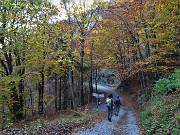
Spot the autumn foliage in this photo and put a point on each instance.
(139, 38)
(45, 62)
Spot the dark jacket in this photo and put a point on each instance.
(117, 102)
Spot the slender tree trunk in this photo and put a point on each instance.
(96, 77)
(141, 83)
(65, 88)
(142, 79)
(15, 104)
(144, 25)
(71, 79)
(21, 101)
(41, 93)
(60, 92)
(21, 88)
(40, 102)
(55, 88)
(137, 41)
(31, 102)
(91, 75)
(139, 51)
(129, 59)
(82, 71)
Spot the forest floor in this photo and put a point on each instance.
(84, 121)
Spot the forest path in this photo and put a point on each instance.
(126, 123)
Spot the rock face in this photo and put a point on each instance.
(107, 77)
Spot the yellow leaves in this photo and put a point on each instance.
(167, 7)
(110, 58)
(32, 76)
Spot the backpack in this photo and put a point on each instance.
(109, 102)
(117, 102)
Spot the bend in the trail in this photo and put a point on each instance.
(123, 124)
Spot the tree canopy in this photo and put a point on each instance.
(45, 63)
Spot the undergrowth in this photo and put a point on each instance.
(62, 125)
(161, 114)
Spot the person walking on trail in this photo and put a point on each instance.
(109, 103)
(117, 104)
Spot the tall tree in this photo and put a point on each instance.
(17, 23)
(84, 20)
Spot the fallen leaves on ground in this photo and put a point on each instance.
(64, 122)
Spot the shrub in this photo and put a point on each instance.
(161, 112)
(6, 120)
(167, 85)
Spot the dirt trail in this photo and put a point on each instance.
(126, 123)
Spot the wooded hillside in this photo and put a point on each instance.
(45, 63)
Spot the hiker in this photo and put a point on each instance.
(117, 104)
(109, 103)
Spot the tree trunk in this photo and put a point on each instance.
(40, 102)
(41, 93)
(91, 75)
(82, 71)
(60, 92)
(71, 79)
(147, 47)
(91, 85)
(15, 105)
(55, 89)
(65, 92)
(21, 101)
(137, 41)
(142, 79)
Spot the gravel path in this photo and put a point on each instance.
(123, 124)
